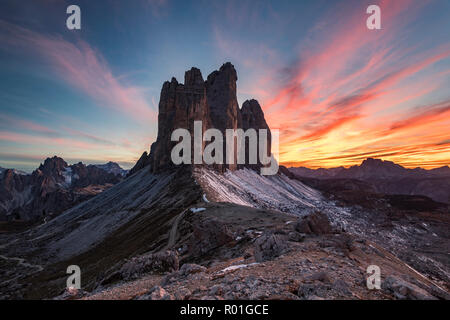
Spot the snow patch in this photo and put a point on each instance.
(67, 175)
(239, 266)
(249, 188)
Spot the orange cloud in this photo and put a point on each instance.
(424, 117)
(352, 91)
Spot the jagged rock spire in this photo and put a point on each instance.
(214, 102)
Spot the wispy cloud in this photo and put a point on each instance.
(25, 124)
(34, 140)
(81, 66)
(12, 124)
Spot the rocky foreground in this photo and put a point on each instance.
(165, 237)
(252, 254)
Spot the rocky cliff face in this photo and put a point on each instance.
(213, 102)
(12, 181)
(222, 101)
(252, 117)
(143, 161)
(180, 105)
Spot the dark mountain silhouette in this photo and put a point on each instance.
(371, 168)
(389, 177)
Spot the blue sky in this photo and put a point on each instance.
(91, 95)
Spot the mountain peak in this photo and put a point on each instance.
(379, 163)
(112, 167)
(374, 161)
(444, 170)
(193, 77)
(53, 165)
(227, 66)
(213, 102)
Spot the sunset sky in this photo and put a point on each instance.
(338, 92)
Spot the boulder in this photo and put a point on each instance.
(306, 290)
(296, 237)
(71, 294)
(156, 293)
(402, 289)
(161, 262)
(316, 223)
(190, 268)
(268, 247)
(321, 276)
(208, 235)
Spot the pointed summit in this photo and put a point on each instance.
(53, 166)
(193, 78)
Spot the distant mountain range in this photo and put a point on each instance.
(389, 177)
(112, 167)
(15, 171)
(52, 188)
